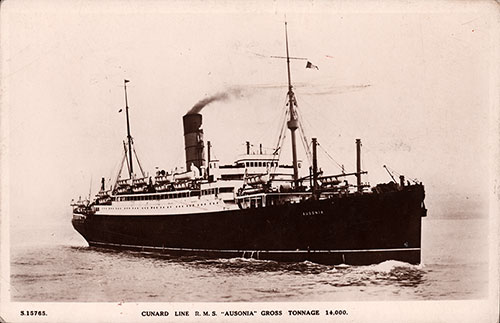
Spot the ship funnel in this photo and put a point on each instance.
(193, 140)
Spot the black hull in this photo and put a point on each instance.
(355, 229)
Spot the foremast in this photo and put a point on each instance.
(129, 137)
(293, 122)
(126, 185)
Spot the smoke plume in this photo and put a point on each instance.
(220, 96)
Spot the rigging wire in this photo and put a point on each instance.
(329, 156)
(117, 167)
(311, 107)
(390, 173)
(414, 180)
(279, 145)
(341, 167)
(279, 152)
(305, 141)
(138, 162)
(306, 146)
(128, 166)
(281, 138)
(124, 158)
(276, 120)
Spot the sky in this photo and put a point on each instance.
(414, 81)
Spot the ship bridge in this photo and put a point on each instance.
(256, 164)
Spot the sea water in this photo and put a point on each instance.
(454, 254)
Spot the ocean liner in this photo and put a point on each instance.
(256, 207)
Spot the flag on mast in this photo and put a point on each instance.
(311, 65)
(126, 81)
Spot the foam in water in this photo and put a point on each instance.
(389, 265)
(342, 266)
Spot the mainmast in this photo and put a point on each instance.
(129, 137)
(293, 123)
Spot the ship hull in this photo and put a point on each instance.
(355, 229)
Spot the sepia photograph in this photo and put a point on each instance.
(226, 161)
